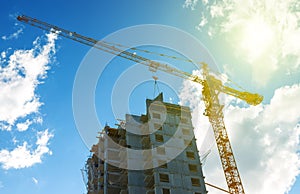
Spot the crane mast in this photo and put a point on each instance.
(215, 115)
(212, 87)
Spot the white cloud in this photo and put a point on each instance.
(190, 3)
(23, 126)
(202, 23)
(21, 71)
(265, 139)
(24, 156)
(263, 34)
(3, 54)
(38, 120)
(15, 141)
(20, 75)
(35, 180)
(14, 35)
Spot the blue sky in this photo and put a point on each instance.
(247, 46)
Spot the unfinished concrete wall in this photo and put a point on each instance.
(166, 130)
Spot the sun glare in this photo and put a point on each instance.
(257, 37)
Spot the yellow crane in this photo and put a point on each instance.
(212, 87)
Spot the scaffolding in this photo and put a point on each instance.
(162, 175)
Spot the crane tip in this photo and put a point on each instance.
(22, 18)
(255, 100)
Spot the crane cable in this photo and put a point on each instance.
(150, 52)
(218, 74)
(216, 187)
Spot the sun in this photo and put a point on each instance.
(257, 37)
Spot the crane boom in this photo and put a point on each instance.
(210, 91)
(107, 47)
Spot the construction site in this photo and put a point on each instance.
(181, 175)
(110, 170)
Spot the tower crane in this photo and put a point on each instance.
(211, 88)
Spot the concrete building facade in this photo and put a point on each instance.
(155, 153)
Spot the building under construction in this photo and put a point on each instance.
(167, 167)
